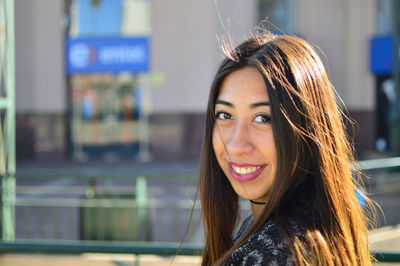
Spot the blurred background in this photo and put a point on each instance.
(103, 108)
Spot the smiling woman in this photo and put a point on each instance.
(243, 138)
(275, 136)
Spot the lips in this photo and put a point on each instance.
(245, 172)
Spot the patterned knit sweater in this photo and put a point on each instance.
(265, 247)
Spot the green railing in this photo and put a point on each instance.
(161, 249)
(376, 164)
(106, 206)
(129, 192)
(7, 119)
(138, 248)
(136, 193)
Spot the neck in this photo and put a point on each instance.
(256, 209)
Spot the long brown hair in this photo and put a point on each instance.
(314, 160)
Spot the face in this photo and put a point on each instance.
(243, 139)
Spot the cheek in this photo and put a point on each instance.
(216, 142)
(268, 148)
(219, 146)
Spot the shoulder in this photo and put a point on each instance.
(243, 228)
(265, 247)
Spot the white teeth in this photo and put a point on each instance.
(245, 170)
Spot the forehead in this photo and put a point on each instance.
(244, 85)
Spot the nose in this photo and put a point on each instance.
(240, 142)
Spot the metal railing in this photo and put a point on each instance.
(108, 206)
(7, 119)
(157, 200)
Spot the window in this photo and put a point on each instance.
(280, 15)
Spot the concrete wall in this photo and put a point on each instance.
(186, 51)
(40, 84)
(341, 29)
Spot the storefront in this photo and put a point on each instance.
(107, 63)
(387, 102)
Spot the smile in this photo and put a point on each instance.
(245, 172)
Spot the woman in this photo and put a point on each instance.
(275, 136)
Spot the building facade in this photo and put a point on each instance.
(185, 52)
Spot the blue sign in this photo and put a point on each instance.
(381, 55)
(115, 54)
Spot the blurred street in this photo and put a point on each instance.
(96, 260)
(382, 186)
(386, 238)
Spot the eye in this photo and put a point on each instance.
(222, 116)
(262, 118)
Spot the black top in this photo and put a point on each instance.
(265, 247)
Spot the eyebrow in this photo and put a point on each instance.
(252, 106)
